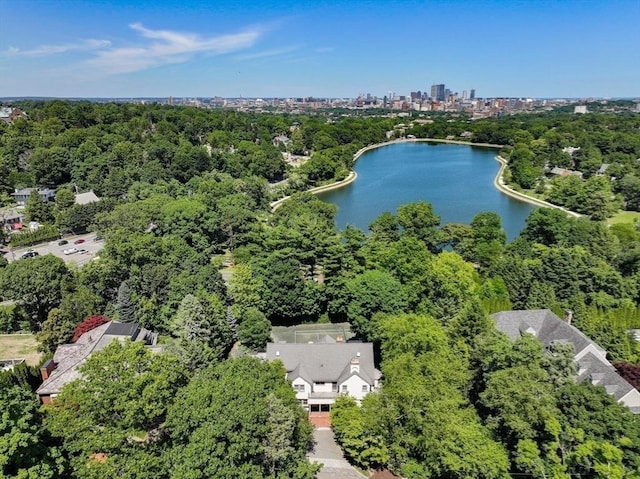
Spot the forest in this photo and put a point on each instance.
(184, 188)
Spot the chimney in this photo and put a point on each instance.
(568, 316)
(47, 368)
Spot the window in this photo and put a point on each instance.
(299, 388)
(365, 388)
(344, 388)
(304, 402)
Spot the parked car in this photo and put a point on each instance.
(30, 254)
(70, 251)
(78, 241)
(62, 242)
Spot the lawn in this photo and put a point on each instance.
(20, 346)
(624, 217)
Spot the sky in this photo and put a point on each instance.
(322, 48)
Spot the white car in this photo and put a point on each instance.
(70, 251)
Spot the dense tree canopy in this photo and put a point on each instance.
(185, 190)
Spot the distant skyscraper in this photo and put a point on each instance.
(472, 94)
(464, 95)
(437, 92)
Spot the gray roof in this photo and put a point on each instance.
(69, 357)
(28, 191)
(321, 362)
(85, 198)
(590, 358)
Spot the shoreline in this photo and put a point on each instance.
(498, 181)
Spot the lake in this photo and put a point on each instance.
(456, 179)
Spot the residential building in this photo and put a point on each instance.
(591, 359)
(22, 196)
(10, 219)
(320, 372)
(64, 367)
(86, 198)
(565, 172)
(9, 114)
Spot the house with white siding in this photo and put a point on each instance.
(320, 372)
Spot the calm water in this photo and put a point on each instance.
(456, 179)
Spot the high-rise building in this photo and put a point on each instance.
(472, 94)
(437, 92)
(464, 95)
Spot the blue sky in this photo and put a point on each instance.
(542, 48)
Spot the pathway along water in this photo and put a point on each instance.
(457, 179)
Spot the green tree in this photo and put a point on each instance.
(255, 329)
(202, 338)
(245, 289)
(488, 237)
(385, 228)
(125, 308)
(65, 199)
(23, 451)
(220, 423)
(355, 433)
(372, 292)
(38, 209)
(38, 284)
(58, 328)
(418, 219)
(112, 420)
(278, 441)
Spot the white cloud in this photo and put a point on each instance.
(83, 45)
(168, 47)
(267, 53)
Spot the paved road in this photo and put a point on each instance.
(90, 247)
(328, 453)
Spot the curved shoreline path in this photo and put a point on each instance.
(498, 181)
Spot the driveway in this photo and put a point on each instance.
(328, 453)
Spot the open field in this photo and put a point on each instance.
(305, 333)
(623, 217)
(18, 346)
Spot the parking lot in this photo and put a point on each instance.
(77, 254)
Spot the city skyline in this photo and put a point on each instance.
(325, 49)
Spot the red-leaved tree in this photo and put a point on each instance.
(630, 372)
(87, 324)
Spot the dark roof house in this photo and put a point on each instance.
(63, 368)
(590, 358)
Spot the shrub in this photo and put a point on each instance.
(88, 324)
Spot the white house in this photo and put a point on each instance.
(320, 372)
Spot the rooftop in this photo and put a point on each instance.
(591, 359)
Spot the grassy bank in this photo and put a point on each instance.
(20, 346)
